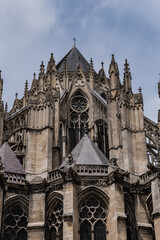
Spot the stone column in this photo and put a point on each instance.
(144, 226)
(155, 187)
(36, 219)
(116, 221)
(64, 139)
(70, 211)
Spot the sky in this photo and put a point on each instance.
(32, 29)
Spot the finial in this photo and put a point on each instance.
(140, 89)
(16, 95)
(74, 39)
(6, 107)
(159, 77)
(0, 74)
(52, 59)
(102, 63)
(113, 60)
(34, 75)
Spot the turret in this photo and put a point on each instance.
(127, 78)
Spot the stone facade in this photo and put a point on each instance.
(79, 160)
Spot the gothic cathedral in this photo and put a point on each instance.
(78, 158)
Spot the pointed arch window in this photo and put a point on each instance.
(130, 213)
(55, 222)
(101, 130)
(92, 219)
(15, 223)
(79, 117)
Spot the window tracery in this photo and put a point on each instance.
(92, 220)
(79, 118)
(55, 222)
(15, 224)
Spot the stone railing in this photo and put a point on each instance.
(81, 170)
(54, 175)
(91, 170)
(15, 178)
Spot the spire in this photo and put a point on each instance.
(41, 77)
(91, 65)
(91, 74)
(16, 95)
(41, 71)
(159, 87)
(65, 66)
(26, 88)
(114, 74)
(65, 78)
(127, 77)
(1, 86)
(51, 64)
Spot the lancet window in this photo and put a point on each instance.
(79, 118)
(15, 224)
(101, 131)
(55, 222)
(92, 220)
(130, 221)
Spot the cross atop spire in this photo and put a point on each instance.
(74, 39)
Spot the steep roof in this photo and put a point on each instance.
(87, 153)
(9, 160)
(73, 58)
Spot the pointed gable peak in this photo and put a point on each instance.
(73, 58)
(9, 160)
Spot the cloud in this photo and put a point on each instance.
(23, 21)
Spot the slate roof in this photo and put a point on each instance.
(87, 153)
(9, 160)
(72, 58)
